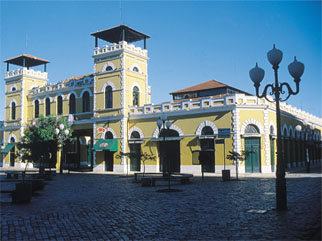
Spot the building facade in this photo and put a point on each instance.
(111, 115)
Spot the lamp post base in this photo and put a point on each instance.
(281, 199)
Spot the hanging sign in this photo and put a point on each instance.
(100, 129)
(224, 133)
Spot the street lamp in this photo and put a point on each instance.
(62, 135)
(256, 74)
(162, 124)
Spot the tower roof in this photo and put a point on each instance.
(115, 35)
(30, 60)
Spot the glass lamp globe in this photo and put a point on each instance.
(168, 124)
(163, 117)
(61, 126)
(296, 69)
(159, 123)
(57, 131)
(275, 56)
(256, 74)
(298, 128)
(66, 132)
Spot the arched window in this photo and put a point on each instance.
(207, 130)
(251, 129)
(72, 104)
(47, 106)
(60, 105)
(108, 135)
(136, 69)
(13, 110)
(36, 108)
(136, 95)
(86, 102)
(108, 97)
(109, 68)
(135, 135)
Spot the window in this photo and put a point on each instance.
(47, 106)
(136, 96)
(109, 68)
(36, 108)
(108, 97)
(136, 69)
(207, 130)
(108, 135)
(251, 129)
(60, 105)
(86, 102)
(13, 88)
(13, 110)
(72, 104)
(135, 135)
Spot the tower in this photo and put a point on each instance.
(18, 111)
(120, 80)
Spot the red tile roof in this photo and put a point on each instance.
(211, 84)
(77, 77)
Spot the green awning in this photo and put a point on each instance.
(108, 144)
(8, 148)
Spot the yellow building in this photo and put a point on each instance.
(111, 114)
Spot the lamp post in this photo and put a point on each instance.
(256, 74)
(62, 135)
(162, 124)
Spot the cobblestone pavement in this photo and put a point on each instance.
(110, 207)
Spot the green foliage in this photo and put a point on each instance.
(40, 141)
(235, 156)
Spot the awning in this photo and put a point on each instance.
(108, 144)
(170, 138)
(8, 148)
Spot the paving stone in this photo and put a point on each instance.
(105, 207)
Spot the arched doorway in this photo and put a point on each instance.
(135, 149)
(207, 149)
(169, 151)
(12, 153)
(109, 155)
(252, 147)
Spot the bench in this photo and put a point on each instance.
(149, 181)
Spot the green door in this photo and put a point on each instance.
(252, 162)
(135, 164)
(272, 155)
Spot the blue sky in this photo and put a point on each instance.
(192, 41)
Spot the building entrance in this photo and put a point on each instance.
(169, 151)
(252, 162)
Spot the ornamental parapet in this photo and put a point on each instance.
(240, 100)
(123, 45)
(79, 83)
(26, 72)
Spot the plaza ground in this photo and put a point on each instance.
(86, 206)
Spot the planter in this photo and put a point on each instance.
(23, 193)
(225, 175)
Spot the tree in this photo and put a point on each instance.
(39, 143)
(236, 157)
